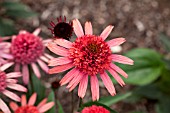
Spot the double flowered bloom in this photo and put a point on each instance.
(89, 56)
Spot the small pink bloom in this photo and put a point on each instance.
(28, 50)
(9, 81)
(29, 107)
(89, 56)
(95, 109)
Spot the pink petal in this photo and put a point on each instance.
(17, 87)
(5, 66)
(88, 28)
(59, 61)
(12, 81)
(69, 76)
(23, 100)
(46, 41)
(57, 49)
(61, 68)
(5, 45)
(46, 107)
(42, 103)
(32, 99)
(25, 74)
(17, 67)
(116, 42)
(4, 107)
(43, 65)
(13, 106)
(121, 59)
(43, 58)
(106, 32)
(37, 31)
(63, 43)
(118, 69)
(36, 70)
(48, 56)
(94, 87)
(83, 86)
(116, 77)
(13, 75)
(77, 28)
(5, 55)
(11, 95)
(108, 83)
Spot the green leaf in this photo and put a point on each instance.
(164, 105)
(51, 98)
(165, 41)
(20, 13)
(109, 100)
(11, 5)
(60, 108)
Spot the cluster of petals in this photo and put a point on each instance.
(95, 109)
(9, 81)
(29, 107)
(88, 56)
(27, 50)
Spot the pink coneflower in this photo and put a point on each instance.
(90, 56)
(29, 107)
(28, 49)
(9, 80)
(95, 109)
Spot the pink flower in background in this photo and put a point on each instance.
(89, 56)
(28, 50)
(95, 109)
(9, 81)
(29, 107)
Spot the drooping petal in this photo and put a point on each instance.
(43, 65)
(11, 95)
(5, 55)
(88, 28)
(108, 83)
(43, 58)
(48, 56)
(23, 100)
(116, 42)
(32, 99)
(4, 107)
(94, 87)
(11, 81)
(61, 68)
(17, 87)
(5, 66)
(106, 32)
(42, 103)
(121, 59)
(36, 70)
(25, 74)
(57, 49)
(46, 107)
(13, 106)
(37, 31)
(17, 67)
(13, 75)
(63, 42)
(83, 86)
(77, 28)
(59, 61)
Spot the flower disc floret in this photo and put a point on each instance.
(3, 84)
(27, 109)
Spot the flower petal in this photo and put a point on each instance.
(25, 74)
(5, 66)
(4, 107)
(46, 107)
(43, 66)
(11, 95)
(88, 28)
(77, 28)
(63, 42)
(13, 106)
(36, 70)
(116, 42)
(13, 75)
(23, 100)
(106, 32)
(32, 99)
(42, 103)
(37, 31)
(59, 61)
(17, 87)
(122, 59)
(17, 67)
(94, 87)
(83, 86)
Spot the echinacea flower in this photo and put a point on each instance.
(29, 107)
(95, 109)
(90, 56)
(28, 50)
(62, 29)
(9, 81)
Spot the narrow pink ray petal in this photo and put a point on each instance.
(43, 65)
(17, 67)
(121, 59)
(4, 107)
(108, 83)
(23, 100)
(11, 95)
(63, 43)
(106, 32)
(45, 42)
(88, 28)
(57, 49)
(118, 69)
(43, 58)
(4, 45)
(5, 38)
(32, 99)
(5, 66)
(11, 81)
(116, 42)
(22, 32)
(94, 87)
(17, 87)
(48, 56)
(69, 76)
(13, 75)
(59, 61)
(46, 107)
(61, 68)
(83, 86)
(13, 106)
(37, 31)
(42, 103)
(36, 70)
(116, 77)
(25, 74)
(77, 28)
(6, 55)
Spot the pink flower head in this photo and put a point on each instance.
(90, 56)
(95, 109)
(28, 49)
(29, 107)
(9, 81)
